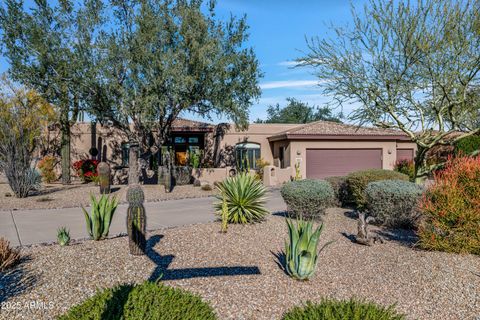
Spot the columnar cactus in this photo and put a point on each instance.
(103, 169)
(168, 173)
(136, 220)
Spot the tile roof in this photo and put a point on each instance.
(328, 128)
(181, 124)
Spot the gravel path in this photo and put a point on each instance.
(54, 196)
(237, 272)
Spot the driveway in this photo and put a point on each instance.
(26, 227)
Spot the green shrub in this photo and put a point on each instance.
(394, 203)
(307, 198)
(451, 209)
(467, 145)
(342, 310)
(357, 183)
(245, 197)
(144, 301)
(340, 190)
(406, 167)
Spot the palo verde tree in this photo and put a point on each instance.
(48, 46)
(299, 112)
(167, 58)
(409, 65)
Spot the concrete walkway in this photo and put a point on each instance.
(26, 227)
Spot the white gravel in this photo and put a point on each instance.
(424, 285)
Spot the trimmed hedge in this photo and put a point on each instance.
(340, 190)
(342, 310)
(394, 203)
(307, 198)
(357, 183)
(148, 300)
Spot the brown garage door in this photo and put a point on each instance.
(404, 154)
(323, 163)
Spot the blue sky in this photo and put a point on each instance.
(277, 33)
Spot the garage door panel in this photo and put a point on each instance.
(404, 154)
(323, 163)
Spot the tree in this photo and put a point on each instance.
(163, 59)
(410, 67)
(299, 112)
(48, 50)
(23, 116)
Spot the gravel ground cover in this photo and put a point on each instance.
(237, 272)
(77, 194)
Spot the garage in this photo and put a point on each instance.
(405, 154)
(323, 163)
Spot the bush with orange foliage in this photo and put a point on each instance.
(451, 208)
(47, 169)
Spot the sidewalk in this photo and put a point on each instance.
(26, 227)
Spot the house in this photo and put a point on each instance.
(319, 149)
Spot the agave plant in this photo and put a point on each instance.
(63, 236)
(245, 198)
(100, 217)
(301, 251)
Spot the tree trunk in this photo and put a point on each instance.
(133, 177)
(421, 167)
(65, 153)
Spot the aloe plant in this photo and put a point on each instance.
(63, 236)
(301, 251)
(100, 217)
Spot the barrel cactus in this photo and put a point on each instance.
(103, 169)
(136, 220)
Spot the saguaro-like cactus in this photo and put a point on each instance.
(103, 169)
(136, 220)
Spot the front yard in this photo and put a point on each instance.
(237, 272)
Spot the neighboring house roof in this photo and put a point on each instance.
(181, 124)
(335, 130)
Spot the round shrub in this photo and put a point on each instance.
(342, 310)
(394, 203)
(144, 301)
(406, 167)
(307, 198)
(467, 145)
(357, 183)
(339, 186)
(451, 209)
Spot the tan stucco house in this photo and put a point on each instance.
(320, 149)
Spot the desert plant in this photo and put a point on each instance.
(351, 309)
(301, 249)
(298, 176)
(182, 175)
(8, 256)
(47, 169)
(103, 170)
(451, 208)
(339, 186)
(206, 186)
(406, 167)
(224, 214)
(100, 217)
(357, 183)
(63, 236)
(245, 198)
(394, 203)
(307, 198)
(148, 300)
(136, 220)
(260, 165)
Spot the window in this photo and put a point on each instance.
(180, 140)
(246, 155)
